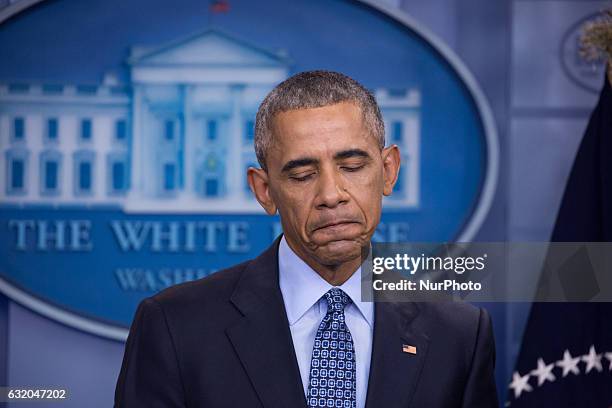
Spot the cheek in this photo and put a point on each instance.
(294, 208)
(370, 203)
(367, 192)
(371, 182)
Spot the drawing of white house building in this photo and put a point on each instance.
(177, 138)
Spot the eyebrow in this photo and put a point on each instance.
(347, 154)
(292, 164)
(307, 161)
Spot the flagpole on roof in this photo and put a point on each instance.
(217, 7)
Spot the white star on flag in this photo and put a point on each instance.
(609, 357)
(592, 360)
(519, 384)
(569, 363)
(544, 372)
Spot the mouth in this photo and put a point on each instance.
(335, 226)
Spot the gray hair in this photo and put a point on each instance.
(314, 89)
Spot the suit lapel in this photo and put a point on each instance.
(394, 373)
(262, 338)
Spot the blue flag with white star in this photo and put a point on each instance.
(566, 355)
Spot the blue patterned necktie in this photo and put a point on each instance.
(332, 381)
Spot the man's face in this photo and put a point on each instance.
(326, 176)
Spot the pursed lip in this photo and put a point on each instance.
(335, 223)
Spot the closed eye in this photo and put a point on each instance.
(353, 168)
(300, 178)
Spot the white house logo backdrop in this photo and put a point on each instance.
(126, 132)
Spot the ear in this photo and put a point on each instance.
(391, 166)
(258, 181)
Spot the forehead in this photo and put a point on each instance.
(316, 131)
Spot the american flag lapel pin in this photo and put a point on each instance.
(407, 348)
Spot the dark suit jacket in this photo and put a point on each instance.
(224, 341)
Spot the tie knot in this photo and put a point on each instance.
(337, 300)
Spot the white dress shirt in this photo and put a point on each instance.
(303, 289)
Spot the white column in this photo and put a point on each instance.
(234, 164)
(103, 130)
(137, 171)
(413, 168)
(188, 142)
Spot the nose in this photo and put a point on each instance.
(331, 189)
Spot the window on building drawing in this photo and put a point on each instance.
(50, 167)
(169, 130)
(52, 129)
(85, 129)
(210, 177)
(84, 172)
(212, 129)
(169, 176)
(249, 131)
(397, 131)
(117, 174)
(85, 176)
(120, 130)
(212, 187)
(16, 171)
(18, 128)
(17, 174)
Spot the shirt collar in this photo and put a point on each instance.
(302, 287)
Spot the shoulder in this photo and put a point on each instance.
(458, 323)
(459, 317)
(458, 332)
(208, 301)
(207, 292)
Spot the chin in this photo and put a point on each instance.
(338, 252)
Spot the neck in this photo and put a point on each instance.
(335, 274)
